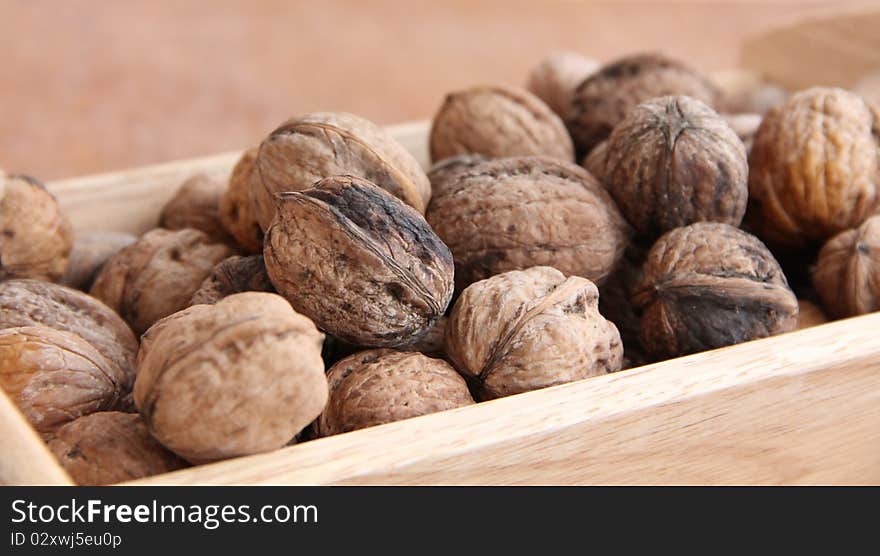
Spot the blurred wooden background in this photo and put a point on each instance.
(93, 86)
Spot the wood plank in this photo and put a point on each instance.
(802, 408)
(25, 459)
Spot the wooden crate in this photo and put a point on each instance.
(800, 408)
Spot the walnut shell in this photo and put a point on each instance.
(36, 303)
(382, 386)
(55, 377)
(432, 343)
(515, 213)
(556, 77)
(110, 447)
(363, 265)
(239, 377)
(443, 173)
(814, 168)
(234, 275)
(157, 275)
(90, 251)
(673, 161)
(237, 212)
(710, 285)
(307, 149)
(847, 272)
(530, 329)
(604, 99)
(35, 236)
(497, 122)
(594, 162)
(615, 303)
(196, 205)
(809, 315)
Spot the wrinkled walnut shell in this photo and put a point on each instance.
(615, 303)
(237, 213)
(110, 447)
(363, 265)
(515, 213)
(443, 173)
(196, 205)
(524, 330)
(673, 161)
(157, 275)
(239, 377)
(847, 272)
(432, 343)
(556, 77)
(55, 377)
(234, 275)
(498, 122)
(90, 251)
(381, 386)
(814, 168)
(36, 303)
(307, 149)
(710, 285)
(35, 236)
(605, 98)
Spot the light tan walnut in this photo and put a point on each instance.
(237, 213)
(196, 205)
(556, 77)
(847, 272)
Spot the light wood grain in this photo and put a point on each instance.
(24, 458)
(803, 408)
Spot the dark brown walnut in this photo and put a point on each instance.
(710, 285)
(363, 265)
(443, 173)
(37, 303)
(556, 77)
(90, 251)
(615, 303)
(673, 161)
(529, 329)
(515, 213)
(234, 275)
(239, 377)
(814, 168)
(307, 149)
(196, 205)
(237, 213)
(381, 386)
(432, 343)
(605, 98)
(35, 236)
(55, 377)
(745, 126)
(157, 275)
(110, 447)
(847, 272)
(497, 122)
(809, 314)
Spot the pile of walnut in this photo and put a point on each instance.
(332, 284)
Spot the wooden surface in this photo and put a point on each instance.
(24, 457)
(802, 408)
(92, 87)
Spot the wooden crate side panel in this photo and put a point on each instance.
(24, 458)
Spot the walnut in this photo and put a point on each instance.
(814, 168)
(55, 377)
(237, 212)
(710, 285)
(432, 343)
(615, 303)
(239, 377)
(809, 314)
(196, 205)
(594, 162)
(234, 275)
(157, 275)
(381, 386)
(305, 150)
(363, 265)
(35, 303)
(673, 161)
(604, 99)
(529, 329)
(745, 126)
(516, 213)
(443, 173)
(497, 122)
(90, 251)
(35, 236)
(847, 272)
(110, 447)
(556, 77)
